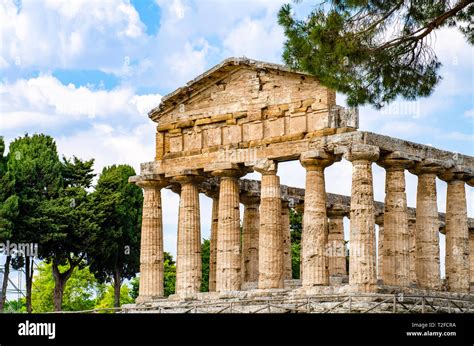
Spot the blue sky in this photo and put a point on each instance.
(87, 72)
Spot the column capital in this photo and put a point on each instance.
(226, 169)
(317, 159)
(248, 199)
(266, 167)
(336, 213)
(456, 173)
(397, 160)
(379, 219)
(363, 152)
(157, 184)
(428, 166)
(210, 187)
(188, 178)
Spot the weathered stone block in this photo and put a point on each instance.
(176, 143)
(253, 131)
(297, 124)
(192, 140)
(274, 127)
(317, 121)
(212, 137)
(231, 134)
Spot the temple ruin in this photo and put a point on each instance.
(246, 116)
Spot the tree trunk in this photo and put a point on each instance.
(117, 285)
(29, 281)
(6, 273)
(60, 280)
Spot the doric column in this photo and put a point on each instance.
(213, 244)
(336, 245)
(427, 228)
(285, 226)
(412, 251)
(188, 258)
(379, 222)
(270, 245)
(228, 267)
(314, 237)
(471, 252)
(362, 265)
(396, 237)
(250, 230)
(151, 247)
(457, 233)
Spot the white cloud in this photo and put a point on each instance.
(469, 113)
(64, 34)
(258, 39)
(44, 101)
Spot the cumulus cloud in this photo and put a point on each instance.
(63, 34)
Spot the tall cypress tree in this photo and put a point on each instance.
(115, 254)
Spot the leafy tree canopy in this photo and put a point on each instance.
(373, 50)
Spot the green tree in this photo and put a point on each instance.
(371, 50)
(114, 255)
(296, 229)
(8, 214)
(71, 221)
(107, 300)
(35, 170)
(81, 291)
(170, 274)
(205, 256)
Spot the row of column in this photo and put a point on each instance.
(264, 252)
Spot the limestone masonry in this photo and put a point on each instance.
(246, 116)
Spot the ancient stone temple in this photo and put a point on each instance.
(246, 116)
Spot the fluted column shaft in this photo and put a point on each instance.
(151, 247)
(188, 263)
(412, 251)
(336, 245)
(380, 245)
(271, 238)
(427, 228)
(457, 238)
(471, 253)
(228, 267)
(362, 261)
(285, 226)
(314, 238)
(250, 235)
(396, 236)
(213, 244)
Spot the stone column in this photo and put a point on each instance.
(314, 237)
(151, 247)
(457, 234)
(270, 245)
(213, 244)
(396, 237)
(362, 264)
(379, 223)
(250, 230)
(228, 267)
(412, 251)
(471, 252)
(188, 258)
(427, 229)
(285, 226)
(336, 244)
